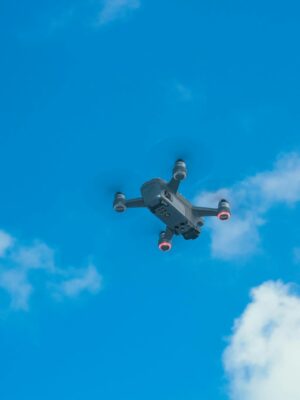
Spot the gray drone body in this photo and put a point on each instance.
(179, 215)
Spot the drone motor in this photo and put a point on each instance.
(223, 210)
(164, 244)
(179, 170)
(119, 202)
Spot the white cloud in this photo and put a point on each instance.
(15, 282)
(114, 9)
(282, 184)
(240, 237)
(6, 242)
(20, 265)
(36, 256)
(262, 360)
(251, 199)
(85, 280)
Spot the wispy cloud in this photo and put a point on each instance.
(15, 282)
(35, 256)
(21, 264)
(296, 253)
(262, 360)
(75, 18)
(114, 9)
(251, 199)
(183, 92)
(83, 280)
(6, 242)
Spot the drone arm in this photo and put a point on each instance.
(179, 174)
(174, 185)
(120, 203)
(205, 211)
(168, 234)
(135, 203)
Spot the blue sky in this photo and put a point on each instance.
(89, 308)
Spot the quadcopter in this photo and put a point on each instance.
(179, 215)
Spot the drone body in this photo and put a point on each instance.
(175, 211)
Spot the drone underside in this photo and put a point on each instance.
(175, 211)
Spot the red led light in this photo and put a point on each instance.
(165, 246)
(223, 215)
